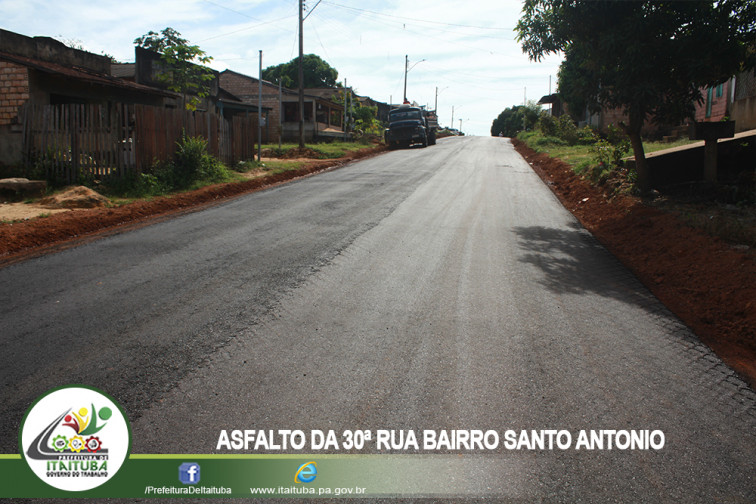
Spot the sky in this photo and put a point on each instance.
(463, 54)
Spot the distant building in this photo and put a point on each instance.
(323, 117)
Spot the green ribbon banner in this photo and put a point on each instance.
(281, 476)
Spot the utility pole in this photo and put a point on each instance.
(350, 107)
(406, 64)
(551, 110)
(345, 110)
(280, 115)
(301, 74)
(452, 121)
(259, 113)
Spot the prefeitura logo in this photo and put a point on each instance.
(75, 438)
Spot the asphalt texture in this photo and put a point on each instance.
(438, 288)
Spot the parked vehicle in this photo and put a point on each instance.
(411, 125)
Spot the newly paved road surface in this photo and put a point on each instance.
(438, 288)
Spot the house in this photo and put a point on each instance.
(382, 109)
(146, 70)
(556, 108)
(336, 95)
(41, 71)
(734, 99)
(606, 117)
(323, 117)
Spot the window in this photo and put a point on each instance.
(402, 115)
(708, 102)
(720, 90)
(291, 112)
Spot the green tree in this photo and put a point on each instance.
(158, 42)
(365, 119)
(515, 119)
(649, 58)
(317, 73)
(183, 70)
(508, 123)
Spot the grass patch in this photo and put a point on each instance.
(332, 150)
(657, 146)
(578, 155)
(574, 155)
(252, 169)
(275, 166)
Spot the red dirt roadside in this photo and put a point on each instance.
(708, 284)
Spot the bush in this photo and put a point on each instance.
(137, 185)
(564, 128)
(192, 163)
(547, 124)
(609, 151)
(586, 136)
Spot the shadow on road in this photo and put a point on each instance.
(573, 262)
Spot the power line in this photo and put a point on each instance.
(424, 34)
(312, 10)
(412, 19)
(232, 10)
(246, 28)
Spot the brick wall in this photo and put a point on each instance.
(14, 90)
(716, 105)
(616, 116)
(245, 88)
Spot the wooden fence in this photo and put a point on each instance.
(74, 142)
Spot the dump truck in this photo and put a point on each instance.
(411, 125)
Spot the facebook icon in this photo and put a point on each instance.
(189, 473)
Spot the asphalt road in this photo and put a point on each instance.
(438, 288)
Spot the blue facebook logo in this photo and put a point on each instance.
(189, 473)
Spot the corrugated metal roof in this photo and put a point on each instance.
(82, 74)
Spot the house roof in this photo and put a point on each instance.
(371, 101)
(241, 89)
(82, 74)
(249, 88)
(123, 70)
(324, 93)
(552, 98)
(227, 99)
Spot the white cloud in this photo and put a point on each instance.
(469, 47)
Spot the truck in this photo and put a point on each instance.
(411, 125)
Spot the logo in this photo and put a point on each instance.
(189, 473)
(306, 473)
(75, 438)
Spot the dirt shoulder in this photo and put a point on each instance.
(708, 284)
(28, 238)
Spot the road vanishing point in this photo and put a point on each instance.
(438, 288)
